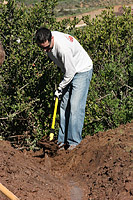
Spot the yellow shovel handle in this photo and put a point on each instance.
(9, 194)
(54, 117)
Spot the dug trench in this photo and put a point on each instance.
(100, 168)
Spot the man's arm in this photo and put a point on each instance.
(69, 68)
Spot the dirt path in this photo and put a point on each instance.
(100, 168)
(93, 14)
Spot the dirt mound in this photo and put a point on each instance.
(100, 168)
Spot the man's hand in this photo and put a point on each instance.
(58, 93)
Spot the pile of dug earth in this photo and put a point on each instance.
(100, 168)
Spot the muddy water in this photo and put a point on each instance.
(76, 193)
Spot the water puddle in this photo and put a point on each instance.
(76, 193)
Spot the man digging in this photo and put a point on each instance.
(77, 68)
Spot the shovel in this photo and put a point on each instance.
(49, 144)
(53, 121)
(8, 193)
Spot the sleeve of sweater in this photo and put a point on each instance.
(69, 68)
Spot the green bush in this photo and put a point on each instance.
(108, 39)
(28, 78)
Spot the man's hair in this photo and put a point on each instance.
(42, 35)
(2, 54)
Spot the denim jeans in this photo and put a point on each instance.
(72, 109)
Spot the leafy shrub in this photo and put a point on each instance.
(28, 78)
(108, 39)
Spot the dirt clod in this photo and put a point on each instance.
(49, 147)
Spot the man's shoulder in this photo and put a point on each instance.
(57, 33)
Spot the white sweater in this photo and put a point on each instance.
(70, 56)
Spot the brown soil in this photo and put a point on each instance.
(100, 168)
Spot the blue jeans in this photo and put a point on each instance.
(72, 109)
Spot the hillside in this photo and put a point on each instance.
(68, 7)
(100, 168)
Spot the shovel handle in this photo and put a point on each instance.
(9, 194)
(54, 117)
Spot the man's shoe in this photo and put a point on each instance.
(72, 147)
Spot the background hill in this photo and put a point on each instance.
(68, 7)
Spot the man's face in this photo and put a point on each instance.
(46, 46)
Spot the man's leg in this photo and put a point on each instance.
(64, 114)
(80, 86)
(72, 109)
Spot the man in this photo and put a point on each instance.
(2, 54)
(77, 67)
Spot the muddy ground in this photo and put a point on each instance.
(100, 168)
